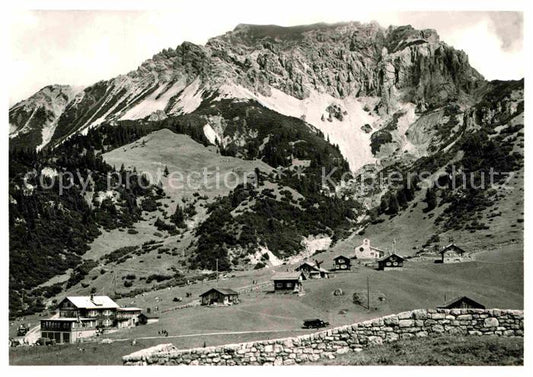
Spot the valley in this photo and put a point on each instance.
(226, 164)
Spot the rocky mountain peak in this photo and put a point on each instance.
(343, 60)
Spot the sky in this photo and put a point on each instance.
(82, 47)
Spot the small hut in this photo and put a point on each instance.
(342, 263)
(287, 281)
(452, 253)
(391, 261)
(219, 296)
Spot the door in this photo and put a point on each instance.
(66, 337)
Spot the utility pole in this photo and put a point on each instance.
(368, 293)
(217, 268)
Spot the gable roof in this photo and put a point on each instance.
(454, 247)
(390, 255)
(92, 302)
(286, 276)
(458, 299)
(305, 263)
(223, 291)
(341, 256)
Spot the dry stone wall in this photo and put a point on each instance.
(340, 340)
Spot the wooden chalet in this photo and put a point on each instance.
(288, 281)
(219, 296)
(452, 253)
(342, 263)
(391, 261)
(312, 271)
(462, 302)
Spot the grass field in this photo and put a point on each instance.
(444, 350)
(182, 155)
(495, 279)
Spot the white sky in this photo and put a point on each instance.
(82, 47)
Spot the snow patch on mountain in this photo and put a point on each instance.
(158, 100)
(189, 99)
(47, 133)
(353, 142)
(210, 134)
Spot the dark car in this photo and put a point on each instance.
(314, 323)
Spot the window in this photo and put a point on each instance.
(289, 284)
(279, 285)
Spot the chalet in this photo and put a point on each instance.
(366, 251)
(100, 308)
(84, 316)
(219, 296)
(391, 261)
(461, 302)
(127, 317)
(305, 268)
(288, 281)
(342, 263)
(312, 271)
(452, 253)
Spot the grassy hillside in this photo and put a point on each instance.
(180, 153)
(495, 278)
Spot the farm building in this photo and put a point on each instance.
(342, 263)
(391, 261)
(219, 296)
(452, 253)
(84, 316)
(366, 251)
(288, 281)
(461, 302)
(312, 271)
(147, 319)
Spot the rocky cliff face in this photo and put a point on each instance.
(32, 122)
(344, 60)
(293, 70)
